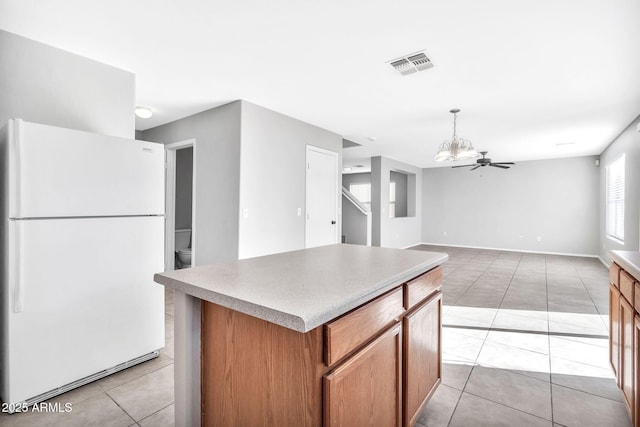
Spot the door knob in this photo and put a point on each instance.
(333, 222)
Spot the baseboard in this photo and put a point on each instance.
(410, 246)
(605, 263)
(512, 250)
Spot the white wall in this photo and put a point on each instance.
(508, 209)
(42, 84)
(356, 178)
(628, 142)
(395, 232)
(273, 179)
(355, 224)
(247, 157)
(217, 186)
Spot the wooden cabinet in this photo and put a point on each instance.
(366, 389)
(422, 356)
(348, 332)
(257, 373)
(374, 366)
(614, 330)
(626, 352)
(636, 371)
(624, 337)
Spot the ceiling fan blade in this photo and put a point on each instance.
(461, 166)
(503, 163)
(472, 169)
(496, 165)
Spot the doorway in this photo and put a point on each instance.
(322, 197)
(180, 205)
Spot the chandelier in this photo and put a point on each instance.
(457, 148)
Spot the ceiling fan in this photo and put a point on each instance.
(486, 162)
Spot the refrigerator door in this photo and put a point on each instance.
(57, 172)
(88, 299)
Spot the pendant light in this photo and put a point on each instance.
(456, 148)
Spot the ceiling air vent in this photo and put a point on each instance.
(411, 63)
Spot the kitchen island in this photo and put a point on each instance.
(334, 335)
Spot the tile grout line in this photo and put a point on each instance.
(121, 408)
(161, 409)
(510, 407)
(546, 285)
(475, 363)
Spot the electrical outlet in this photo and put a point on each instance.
(299, 211)
(444, 233)
(539, 238)
(245, 213)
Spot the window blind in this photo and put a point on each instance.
(615, 199)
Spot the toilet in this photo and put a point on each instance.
(183, 248)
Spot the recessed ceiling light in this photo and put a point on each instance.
(346, 169)
(565, 143)
(143, 112)
(372, 138)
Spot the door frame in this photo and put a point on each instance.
(170, 202)
(338, 192)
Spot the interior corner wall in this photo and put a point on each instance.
(217, 181)
(356, 178)
(556, 200)
(273, 179)
(43, 84)
(628, 142)
(399, 232)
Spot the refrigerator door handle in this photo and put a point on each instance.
(15, 237)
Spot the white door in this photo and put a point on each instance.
(322, 197)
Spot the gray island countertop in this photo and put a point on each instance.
(303, 289)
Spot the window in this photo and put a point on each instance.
(362, 192)
(615, 199)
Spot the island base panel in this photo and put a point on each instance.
(256, 373)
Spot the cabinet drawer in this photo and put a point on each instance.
(614, 274)
(350, 331)
(421, 287)
(626, 286)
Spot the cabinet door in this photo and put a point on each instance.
(365, 390)
(614, 331)
(626, 352)
(636, 370)
(422, 356)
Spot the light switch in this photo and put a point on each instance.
(299, 211)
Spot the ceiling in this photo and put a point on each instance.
(527, 75)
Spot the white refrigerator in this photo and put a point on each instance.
(82, 235)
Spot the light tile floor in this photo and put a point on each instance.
(524, 344)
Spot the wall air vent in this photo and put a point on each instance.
(411, 63)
